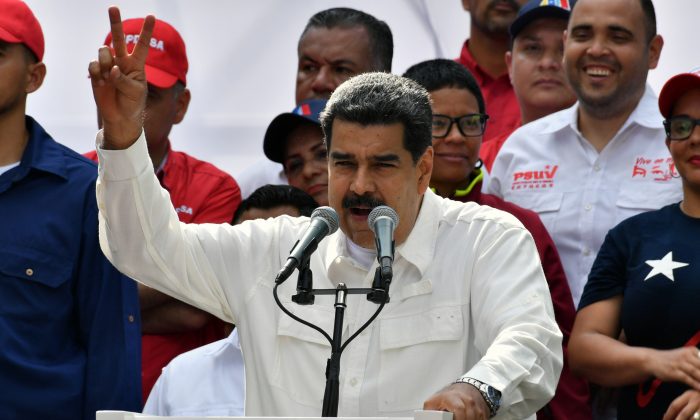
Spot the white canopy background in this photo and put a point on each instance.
(242, 58)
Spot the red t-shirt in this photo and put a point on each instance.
(499, 96)
(200, 193)
(570, 400)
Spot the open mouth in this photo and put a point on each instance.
(598, 71)
(359, 211)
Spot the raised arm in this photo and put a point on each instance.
(119, 84)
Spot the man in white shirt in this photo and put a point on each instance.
(470, 319)
(586, 168)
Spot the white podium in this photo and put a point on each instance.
(125, 415)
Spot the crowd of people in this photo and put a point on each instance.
(548, 205)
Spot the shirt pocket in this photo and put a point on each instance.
(302, 352)
(636, 197)
(419, 355)
(34, 284)
(546, 205)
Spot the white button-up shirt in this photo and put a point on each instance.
(206, 381)
(549, 167)
(468, 298)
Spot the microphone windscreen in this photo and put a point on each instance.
(380, 211)
(328, 215)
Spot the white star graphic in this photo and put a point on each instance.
(664, 266)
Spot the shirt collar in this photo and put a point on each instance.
(646, 114)
(42, 152)
(473, 191)
(467, 60)
(419, 247)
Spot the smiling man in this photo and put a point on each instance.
(586, 168)
(491, 325)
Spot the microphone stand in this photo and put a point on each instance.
(379, 294)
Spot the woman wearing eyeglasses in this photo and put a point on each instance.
(645, 284)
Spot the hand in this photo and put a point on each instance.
(684, 407)
(677, 365)
(119, 84)
(464, 401)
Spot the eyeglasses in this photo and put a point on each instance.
(470, 125)
(680, 127)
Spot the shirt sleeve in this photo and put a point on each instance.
(110, 332)
(156, 404)
(514, 323)
(214, 267)
(608, 274)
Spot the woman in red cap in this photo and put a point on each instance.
(645, 287)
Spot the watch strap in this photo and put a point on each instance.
(483, 389)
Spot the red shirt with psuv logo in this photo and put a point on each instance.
(200, 193)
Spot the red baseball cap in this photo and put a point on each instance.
(18, 25)
(167, 59)
(675, 87)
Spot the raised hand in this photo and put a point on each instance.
(119, 84)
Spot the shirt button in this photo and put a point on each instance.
(29, 272)
(353, 381)
(596, 168)
(586, 251)
(588, 207)
(131, 318)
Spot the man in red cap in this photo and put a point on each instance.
(69, 321)
(200, 192)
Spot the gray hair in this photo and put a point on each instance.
(382, 99)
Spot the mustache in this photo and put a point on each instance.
(354, 200)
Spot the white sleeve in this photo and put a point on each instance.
(514, 323)
(156, 404)
(211, 266)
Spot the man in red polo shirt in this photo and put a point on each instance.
(200, 193)
(483, 54)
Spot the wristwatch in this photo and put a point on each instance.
(491, 395)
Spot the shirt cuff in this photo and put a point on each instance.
(125, 164)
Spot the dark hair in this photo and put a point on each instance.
(382, 99)
(441, 73)
(649, 18)
(381, 42)
(271, 196)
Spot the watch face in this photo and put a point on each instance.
(493, 394)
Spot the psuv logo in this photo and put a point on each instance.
(535, 179)
(155, 43)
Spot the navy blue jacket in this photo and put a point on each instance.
(69, 321)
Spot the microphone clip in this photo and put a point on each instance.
(305, 294)
(380, 287)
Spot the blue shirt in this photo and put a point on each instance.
(653, 261)
(69, 321)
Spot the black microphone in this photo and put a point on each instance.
(383, 220)
(324, 221)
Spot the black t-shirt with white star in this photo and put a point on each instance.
(653, 260)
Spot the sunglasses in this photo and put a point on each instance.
(680, 127)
